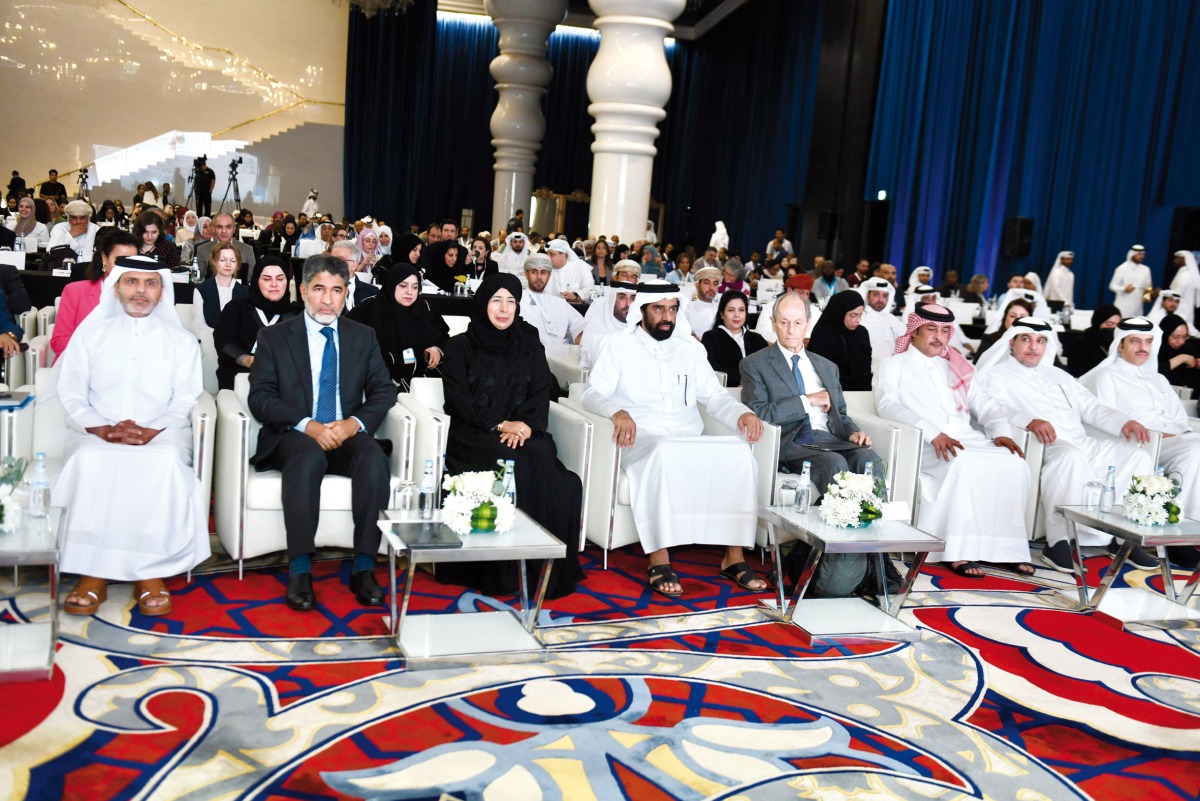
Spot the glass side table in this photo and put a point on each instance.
(27, 648)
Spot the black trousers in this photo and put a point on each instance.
(203, 206)
(304, 464)
(843, 455)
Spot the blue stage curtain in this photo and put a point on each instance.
(1078, 114)
(734, 144)
(565, 161)
(389, 62)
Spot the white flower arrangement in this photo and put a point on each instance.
(850, 500)
(468, 491)
(11, 511)
(1150, 501)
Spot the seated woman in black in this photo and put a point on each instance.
(265, 303)
(405, 250)
(1088, 349)
(728, 342)
(497, 389)
(1177, 355)
(442, 263)
(411, 337)
(840, 337)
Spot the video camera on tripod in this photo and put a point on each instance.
(233, 166)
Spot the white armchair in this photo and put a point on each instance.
(46, 316)
(249, 504)
(566, 368)
(898, 444)
(41, 427)
(573, 435)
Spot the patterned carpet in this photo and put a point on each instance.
(1001, 691)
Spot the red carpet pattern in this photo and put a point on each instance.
(1001, 691)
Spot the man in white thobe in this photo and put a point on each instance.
(571, 277)
(973, 485)
(557, 322)
(701, 312)
(1168, 302)
(649, 380)
(1129, 281)
(1060, 283)
(883, 326)
(134, 507)
(925, 293)
(512, 259)
(607, 316)
(1019, 372)
(1186, 282)
(78, 231)
(318, 244)
(1129, 380)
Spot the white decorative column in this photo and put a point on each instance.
(521, 72)
(629, 83)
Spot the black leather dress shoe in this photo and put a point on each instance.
(365, 588)
(300, 593)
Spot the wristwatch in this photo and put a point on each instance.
(500, 426)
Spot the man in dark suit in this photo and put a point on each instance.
(801, 393)
(320, 389)
(810, 419)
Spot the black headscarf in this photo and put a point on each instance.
(481, 332)
(433, 264)
(400, 327)
(403, 246)
(260, 301)
(849, 350)
(1102, 336)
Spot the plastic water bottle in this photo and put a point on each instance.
(428, 498)
(510, 481)
(195, 269)
(39, 488)
(804, 491)
(1160, 471)
(19, 244)
(1108, 496)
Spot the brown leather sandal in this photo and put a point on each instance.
(87, 587)
(148, 590)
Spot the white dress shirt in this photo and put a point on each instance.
(817, 418)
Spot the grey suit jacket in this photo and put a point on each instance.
(769, 389)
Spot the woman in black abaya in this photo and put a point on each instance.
(497, 389)
(840, 337)
(411, 337)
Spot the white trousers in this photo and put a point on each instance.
(976, 503)
(1067, 467)
(687, 490)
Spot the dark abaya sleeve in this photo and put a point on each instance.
(456, 385)
(534, 411)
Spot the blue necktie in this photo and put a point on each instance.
(327, 386)
(804, 435)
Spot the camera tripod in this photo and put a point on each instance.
(233, 184)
